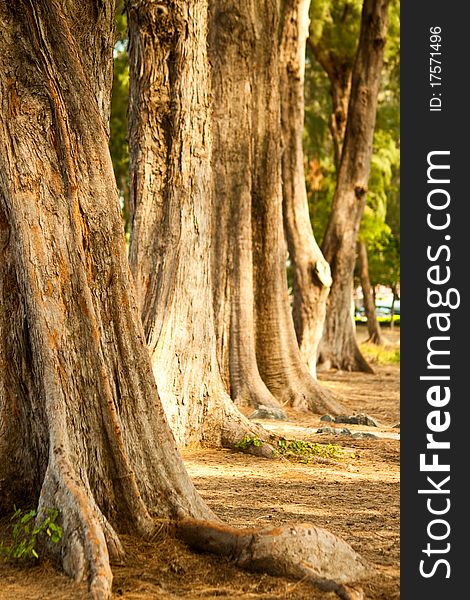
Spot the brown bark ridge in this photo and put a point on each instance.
(82, 429)
(311, 272)
(171, 196)
(253, 307)
(338, 347)
(373, 327)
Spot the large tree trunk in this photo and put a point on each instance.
(338, 347)
(75, 378)
(339, 72)
(249, 235)
(232, 253)
(311, 272)
(373, 326)
(171, 196)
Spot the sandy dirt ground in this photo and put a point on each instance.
(356, 497)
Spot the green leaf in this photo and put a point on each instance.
(28, 516)
(25, 534)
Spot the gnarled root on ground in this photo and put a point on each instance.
(301, 551)
(237, 431)
(88, 539)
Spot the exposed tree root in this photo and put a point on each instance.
(88, 539)
(302, 551)
(237, 429)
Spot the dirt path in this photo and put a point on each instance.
(357, 498)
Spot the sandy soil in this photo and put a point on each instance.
(357, 498)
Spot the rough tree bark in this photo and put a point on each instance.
(338, 347)
(171, 196)
(311, 272)
(72, 351)
(373, 327)
(247, 159)
(81, 426)
(232, 253)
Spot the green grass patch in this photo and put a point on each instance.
(380, 355)
(384, 321)
(307, 451)
(298, 450)
(248, 441)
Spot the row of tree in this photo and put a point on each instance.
(216, 175)
(332, 40)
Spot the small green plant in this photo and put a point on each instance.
(248, 441)
(27, 535)
(306, 451)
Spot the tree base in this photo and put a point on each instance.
(353, 361)
(305, 394)
(374, 338)
(237, 431)
(88, 540)
(300, 551)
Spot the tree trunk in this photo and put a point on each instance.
(373, 326)
(231, 48)
(249, 235)
(339, 75)
(277, 351)
(311, 272)
(171, 195)
(340, 92)
(82, 428)
(338, 347)
(72, 351)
